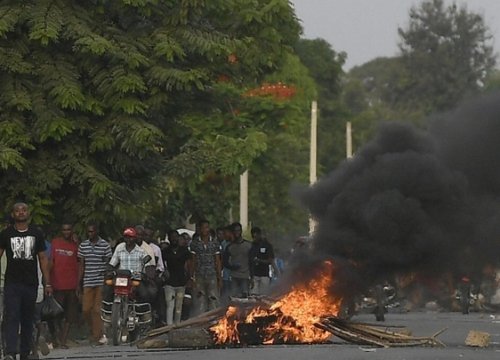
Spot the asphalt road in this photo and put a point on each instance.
(420, 323)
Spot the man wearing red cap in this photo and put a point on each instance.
(128, 255)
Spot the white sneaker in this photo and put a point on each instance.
(103, 340)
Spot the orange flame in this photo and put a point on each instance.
(289, 320)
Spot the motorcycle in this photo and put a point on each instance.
(382, 297)
(465, 294)
(126, 316)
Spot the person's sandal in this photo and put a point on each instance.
(43, 346)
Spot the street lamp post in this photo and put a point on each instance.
(313, 156)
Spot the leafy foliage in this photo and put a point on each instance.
(447, 54)
(325, 66)
(103, 103)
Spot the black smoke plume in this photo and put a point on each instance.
(414, 200)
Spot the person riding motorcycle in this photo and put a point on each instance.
(129, 256)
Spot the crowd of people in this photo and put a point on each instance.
(184, 276)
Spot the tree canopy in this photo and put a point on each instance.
(447, 53)
(107, 105)
(325, 67)
(445, 56)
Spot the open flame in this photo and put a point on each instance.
(289, 320)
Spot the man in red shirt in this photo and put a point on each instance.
(64, 275)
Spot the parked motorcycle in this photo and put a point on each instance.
(465, 294)
(126, 315)
(381, 297)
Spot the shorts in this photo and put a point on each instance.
(68, 300)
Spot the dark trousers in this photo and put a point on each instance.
(19, 304)
(239, 287)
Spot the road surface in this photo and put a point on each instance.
(420, 323)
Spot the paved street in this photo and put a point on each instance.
(421, 324)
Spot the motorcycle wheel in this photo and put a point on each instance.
(347, 309)
(116, 323)
(465, 299)
(465, 304)
(381, 301)
(379, 314)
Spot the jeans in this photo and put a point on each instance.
(206, 294)
(260, 285)
(239, 287)
(174, 297)
(19, 304)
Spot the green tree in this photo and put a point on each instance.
(381, 80)
(447, 54)
(273, 174)
(325, 67)
(274, 117)
(99, 98)
(493, 81)
(372, 94)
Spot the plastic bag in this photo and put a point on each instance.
(50, 308)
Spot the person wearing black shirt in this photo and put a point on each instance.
(262, 256)
(178, 259)
(25, 247)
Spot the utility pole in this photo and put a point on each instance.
(348, 140)
(244, 200)
(313, 156)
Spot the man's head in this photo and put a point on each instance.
(237, 230)
(130, 237)
(220, 233)
(256, 234)
(20, 213)
(204, 228)
(228, 233)
(186, 237)
(149, 235)
(139, 229)
(67, 231)
(183, 240)
(173, 237)
(92, 231)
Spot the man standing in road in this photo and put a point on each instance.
(208, 269)
(64, 275)
(24, 246)
(226, 272)
(94, 253)
(238, 261)
(261, 257)
(179, 264)
(159, 301)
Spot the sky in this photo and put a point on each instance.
(366, 29)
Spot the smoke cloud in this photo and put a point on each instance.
(414, 200)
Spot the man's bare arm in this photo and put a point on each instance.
(44, 266)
